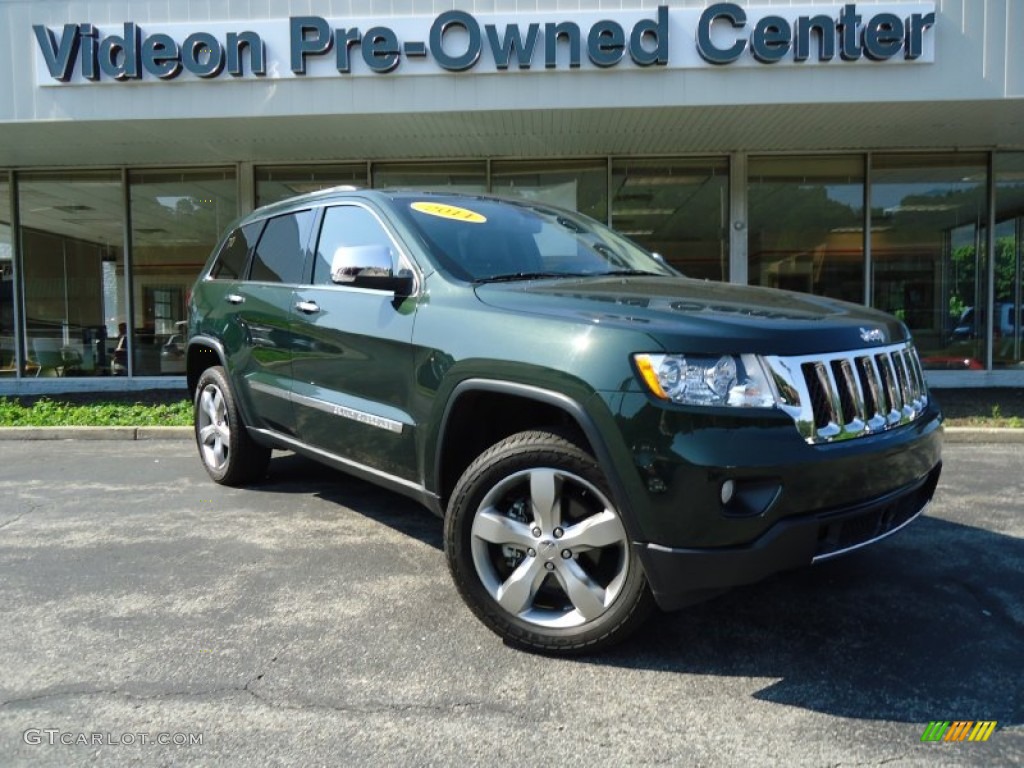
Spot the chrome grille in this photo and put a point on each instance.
(844, 395)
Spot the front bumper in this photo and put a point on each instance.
(677, 575)
(724, 497)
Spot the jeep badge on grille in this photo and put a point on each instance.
(872, 335)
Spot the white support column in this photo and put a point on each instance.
(990, 260)
(609, 192)
(246, 188)
(738, 264)
(869, 263)
(129, 272)
(17, 269)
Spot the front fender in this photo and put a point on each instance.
(587, 410)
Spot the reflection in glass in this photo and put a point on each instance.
(580, 185)
(8, 358)
(928, 251)
(177, 218)
(276, 183)
(806, 229)
(71, 243)
(1008, 327)
(345, 226)
(468, 177)
(678, 208)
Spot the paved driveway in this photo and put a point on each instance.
(310, 621)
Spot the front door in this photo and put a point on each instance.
(353, 357)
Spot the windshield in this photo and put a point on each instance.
(483, 239)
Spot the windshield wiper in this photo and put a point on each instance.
(524, 276)
(512, 276)
(627, 272)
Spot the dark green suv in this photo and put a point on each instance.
(598, 432)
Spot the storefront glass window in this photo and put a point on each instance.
(1008, 326)
(7, 355)
(806, 224)
(72, 251)
(928, 215)
(678, 208)
(578, 185)
(276, 183)
(469, 177)
(177, 218)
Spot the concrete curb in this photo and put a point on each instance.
(977, 435)
(96, 433)
(170, 433)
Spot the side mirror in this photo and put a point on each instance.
(369, 266)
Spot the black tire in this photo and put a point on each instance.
(578, 586)
(228, 454)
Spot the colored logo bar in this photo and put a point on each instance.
(958, 730)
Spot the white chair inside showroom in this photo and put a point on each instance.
(48, 355)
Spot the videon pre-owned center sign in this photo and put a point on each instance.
(723, 34)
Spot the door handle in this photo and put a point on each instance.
(307, 307)
(234, 298)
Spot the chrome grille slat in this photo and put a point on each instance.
(876, 421)
(872, 391)
(851, 381)
(903, 382)
(834, 414)
(844, 395)
(893, 403)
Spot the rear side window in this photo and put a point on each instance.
(281, 253)
(230, 263)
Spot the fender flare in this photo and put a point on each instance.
(549, 397)
(192, 377)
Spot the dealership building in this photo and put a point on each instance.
(869, 151)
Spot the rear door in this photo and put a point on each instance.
(258, 318)
(353, 361)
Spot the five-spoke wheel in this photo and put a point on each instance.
(228, 453)
(549, 571)
(539, 550)
(212, 428)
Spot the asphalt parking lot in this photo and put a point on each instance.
(311, 621)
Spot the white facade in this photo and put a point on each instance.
(964, 93)
(968, 97)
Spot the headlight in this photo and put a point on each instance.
(702, 380)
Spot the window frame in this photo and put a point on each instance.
(403, 259)
(258, 227)
(303, 246)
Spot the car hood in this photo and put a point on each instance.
(700, 316)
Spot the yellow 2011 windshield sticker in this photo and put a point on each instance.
(449, 212)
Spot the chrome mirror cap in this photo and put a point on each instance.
(361, 263)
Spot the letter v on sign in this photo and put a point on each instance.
(60, 59)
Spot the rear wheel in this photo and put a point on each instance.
(538, 549)
(228, 454)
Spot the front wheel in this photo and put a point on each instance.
(538, 550)
(229, 455)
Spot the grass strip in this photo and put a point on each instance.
(54, 413)
(45, 412)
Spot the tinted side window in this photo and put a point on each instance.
(282, 249)
(231, 260)
(346, 226)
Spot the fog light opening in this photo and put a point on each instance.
(728, 491)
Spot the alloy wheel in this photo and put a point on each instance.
(549, 548)
(214, 431)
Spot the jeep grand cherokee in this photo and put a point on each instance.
(599, 433)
